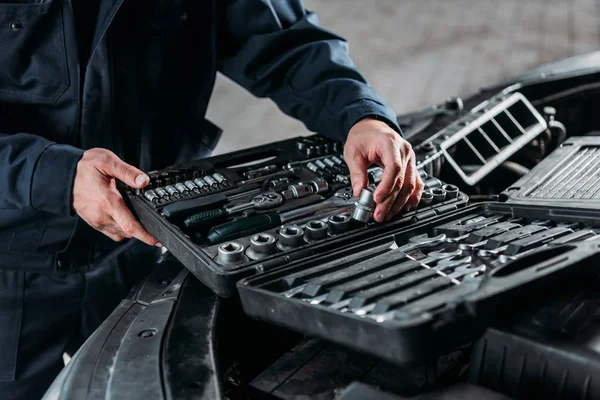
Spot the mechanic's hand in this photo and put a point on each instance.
(97, 200)
(374, 142)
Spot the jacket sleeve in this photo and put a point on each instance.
(36, 173)
(276, 49)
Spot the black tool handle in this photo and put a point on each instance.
(244, 227)
(178, 211)
(206, 218)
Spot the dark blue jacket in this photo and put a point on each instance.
(143, 93)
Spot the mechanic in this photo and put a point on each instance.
(97, 90)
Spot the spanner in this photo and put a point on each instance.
(340, 291)
(423, 289)
(312, 287)
(262, 201)
(358, 301)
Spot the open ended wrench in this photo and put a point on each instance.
(404, 291)
(336, 293)
(415, 242)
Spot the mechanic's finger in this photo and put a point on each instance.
(357, 164)
(383, 208)
(409, 186)
(129, 225)
(392, 172)
(129, 174)
(415, 198)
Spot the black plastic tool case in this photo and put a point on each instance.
(383, 302)
(202, 257)
(401, 299)
(548, 349)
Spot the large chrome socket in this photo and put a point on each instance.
(261, 245)
(364, 207)
(451, 191)
(290, 236)
(315, 230)
(426, 199)
(339, 223)
(231, 253)
(439, 195)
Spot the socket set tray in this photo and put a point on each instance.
(422, 291)
(244, 213)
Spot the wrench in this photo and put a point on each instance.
(357, 302)
(416, 242)
(337, 293)
(262, 201)
(413, 293)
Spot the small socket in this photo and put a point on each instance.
(201, 183)
(439, 195)
(426, 199)
(210, 180)
(339, 223)
(152, 196)
(451, 191)
(261, 245)
(191, 186)
(290, 236)
(181, 187)
(231, 253)
(315, 230)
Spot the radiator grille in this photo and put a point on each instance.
(489, 135)
(577, 178)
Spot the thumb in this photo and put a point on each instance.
(128, 174)
(357, 165)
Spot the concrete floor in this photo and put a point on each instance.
(418, 52)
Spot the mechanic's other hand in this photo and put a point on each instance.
(374, 142)
(99, 203)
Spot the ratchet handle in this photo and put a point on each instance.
(176, 212)
(209, 217)
(244, 227)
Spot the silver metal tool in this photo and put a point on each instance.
(162, 193)
(451, 191)
(255, 172)
(220, 179)
(432, 183)
(439, 195)
(152, 196)
(192, 186)
(321, 165)
(212, 182)
(263, 201)
(432, 257)
(313, 167)
(339, 223)
(341, 198)
(337, 160)
(261, 245)
(202, 185)
(230, 253)
(330, 163)
(364, 207)
(441, 266)
(172, 191)
(420, 242)
(426, 199)
(285, 172)
(290, 236)
(303, 189)
(182, 188)
(315, 230)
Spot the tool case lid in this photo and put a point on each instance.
(568, 178)
(378, 298)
